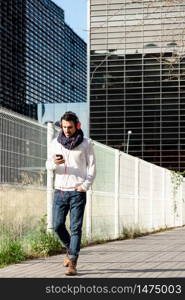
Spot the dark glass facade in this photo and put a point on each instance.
(137, 78)
(42, 59)
(13, 56)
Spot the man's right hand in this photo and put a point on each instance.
(58, 161)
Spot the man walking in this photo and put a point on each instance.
(72, 157)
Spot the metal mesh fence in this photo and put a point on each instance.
(23, 151)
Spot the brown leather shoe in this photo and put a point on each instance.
(71, 270)
(66, 260)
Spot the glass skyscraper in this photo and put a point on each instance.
(137, 78)
(42, 59)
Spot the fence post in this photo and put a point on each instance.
(164, 196)
(50, 136)
(181, 203)
(116, 194)
(136, 192)
(151, 197)
(182, 199)
(89, 215)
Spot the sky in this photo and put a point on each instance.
(75, 12)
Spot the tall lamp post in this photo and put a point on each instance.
(128, 139)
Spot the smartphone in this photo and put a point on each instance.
(59, 156)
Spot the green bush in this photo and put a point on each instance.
(43, 243)
(11, 252)
(36, 243)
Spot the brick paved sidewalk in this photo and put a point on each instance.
(153, 256)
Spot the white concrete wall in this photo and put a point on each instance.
(147, 199)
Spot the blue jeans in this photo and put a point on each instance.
(73, 202)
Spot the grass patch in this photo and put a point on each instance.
(94, 242)
(11, 252)
(37, 243)
(40, 243)
(132, 233)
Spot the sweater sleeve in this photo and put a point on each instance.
(91, 166)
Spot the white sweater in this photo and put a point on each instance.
(79, 167)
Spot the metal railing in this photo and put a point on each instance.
(23, 152)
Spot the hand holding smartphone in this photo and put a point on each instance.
(59, 159)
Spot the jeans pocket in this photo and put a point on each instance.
(79, 196)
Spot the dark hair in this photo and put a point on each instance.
(70, 116)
